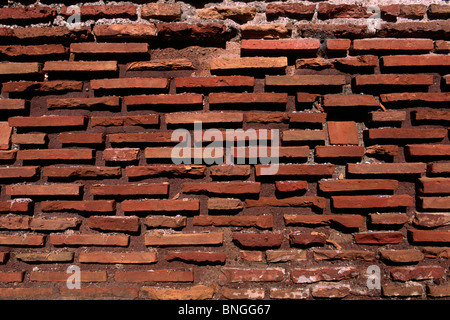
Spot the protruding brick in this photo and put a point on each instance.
(44, 190)
(387, 168)
(239, 14)
(253, 275)
(124, 154)
(56, 154)
(80, 66)
(47, 257)
(352, 100)
(180, 239)
(261, 221)
(417, 273)
(80, 172)
(114, 223)
(307, 239)
(79, 206)
(249, 63)
(47, 121)
(160, 205)
(430, 150)
(125, 31)
(118, 257)
(401, 255)
(165, 222)
(18, 172)
(433, 60)
(244, 98)
(306, 201)
(394, 80)
(161, 11)
(343, 132)
(94, 239)
(429, 236)
(93, 48)
(22, 240)
(378, 237)
(323, 274)
(19, 68)
(393, 44)
(258, 240)
(129, 83)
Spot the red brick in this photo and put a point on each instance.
(80, 206)
(222, 187)
(343, 132)
(429, 236)
(129, 83)
(307, 239)
(19, 172)
(393, 290)
(80, 172)
(38, 51)
(387, 168)
(416, 273)
(387, 116)
(99, 293)
(165, 222)
(237, 13)
(29, 138)
(437, 11)
(169, 170)
(124, 154)
(139, 120)
(266, 117)
(394, 80)
(160, 205)
(197, 292)
(280, 46)
(306, 201)
(416, 61)
(401, 256)
(160, 65)
(14, 222)
(241, 98)
(285, 255)
(183, 239)
(251, 256)
(44, 190)
(44, 86)
(196, 257)
(266, 31)
(261, 221)
(354, 100)
(27, 293)
(71, 103)
(347, 185)
(258, 240)
(103, 11)
(434, 185)
(22, 240)
(252, 275)
(305, 97)
(80, 66)
(300, 170)
(93, 48)
(32, 34)
(413, 11)
(431, 219)
(363, 202)
(114, 223)
(161, 11)
(12, 104)
(62, 276)
(323, 274)
(130, 189)
(8, 154)
(125, 31)
(4, 257)
(337, 291)
(117, 257)
(17, 276)
(306, 80)
(19, 68)
(379, 237)
(346, 221)
(94, 239)
(441, 203)
(421, 29)
(307, 117)
(141, 137)
(431, 115)
(304, 135)
(154, 276)
(382, 150)
(362, 61)
(53, 224)
(393, 44)
(56, 154)
(406, 133)
(27, 13)
(339, 151)
(338, 44)
(442, 46)
(291, 10)
(164, 99)
(205, 117)
(435, 150)
(51, 256)
(249, 64)
(416, 97)
(208, 32)
(291, 186)
(331, 11)
(81, 138)
(47, 121)
(388, 219)
(214, 82)
(23, 205)
(439, 167)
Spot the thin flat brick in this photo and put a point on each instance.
(393, 44)
(394, 80)
(431, 150)
(306, 80)
(130, 120)
(108, 48)
(129, 83)
(406, 133)
(249, 63)
(44, 86)
(348, 185)
(362, 202)
(94, 239)
(47, 121)
(387, 168)
(214, 82)
(354, 100)
(416, 97)
(280, 46)
(125, 31)
(19, 68)
(164, 99)
(206, 117)
(44, 190)
(416, 61)
(180, 239)
(79, 206)
(56, 154)
(188, 205)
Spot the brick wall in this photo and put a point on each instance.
(88, 112)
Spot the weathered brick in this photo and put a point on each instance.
(260, 221)
(328, 254)
(280, 46)
(214, 82)
(249, 64)
(252, 275)
(289, 294)
(161, 65)
(382, 150)
(12, 276)
(415, 97)
(434, 185)
(47, 121)
(84, 103)
(22, 205)
(195, 33)
(417, 273)
(353, 100)
(307, 239)
(346, 221)
(15, 293)
(378, 237)
(118, 257)
(394, 80)
(437, 11)
(44, 190)
(439, 167)
(124, 154)
(19, 68)
(165, 221)
(339, 151)
(12, 104)
(429, 236)
(393, 44)
(125, 31)
(305, 80)
(80, 172)
(362, 61)
(22, 240)
(363, 202)
(291, 186)
(161, 11)
(243, 294)
(197, 292)
(196, 257)
(387, 116)
(291, 10)
(29, 138)
(388, 219)
(37, 51)
(81, 138)
(258, 240)
(155, 189)
(19, 172)
(222, 187)
(116, 49)
(266, 31)
(303, 135)
(91, 292)
(160, 205)
(432, 150)
(349, 185)
(43, 87)
(299, 170)
(431, 219)
(130, 120)
(430, 115)
(393, 290)
(412, 11)
(306, 201)
(56, 154)
(438, 291)
(94, 239)
(406, 134)
(285, 255)
(441, 203)
(102, 11)
(8, 154)
(307, 117)
(343, 132)
(54, 224)
(225, 204)
(240, 14)
(387, 168)
(416, 61)
(323, 274)
(243, 98)
(27, 13)
(180, 239)
(129, 83)
(163, 275)
(114, 223)
(47, 257)
(266, 117)
(80, 66)
(331, 11)
(11, 222)
(164, 99)
(168, 170)
(205, 117)
(62, 276)
(79, 206)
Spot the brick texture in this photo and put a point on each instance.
(133, 146)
